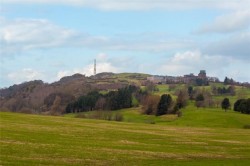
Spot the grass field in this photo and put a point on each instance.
(241, 92)
(194, 139)
(192, 116)
(204, 136)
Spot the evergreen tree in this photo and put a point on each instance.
(237, 104)
(164, 105)
(242, 105)
(190, 92)
(225, 104)
(226, 81)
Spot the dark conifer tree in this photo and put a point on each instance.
(225, 104)
(164, 105)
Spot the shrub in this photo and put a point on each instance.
(80, 115)
(199, 100)
(150, 104)
(107, 115)
(242, 105)
(118, 117)
(26, 111)
(179, 113)
(246, 126)
(182, 98)
(225, 104)
(150, 121)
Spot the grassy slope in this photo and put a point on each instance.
(192, 116)
(245, 92)
(131, 77)
(200, 137)
(47, 140)
(211, 117)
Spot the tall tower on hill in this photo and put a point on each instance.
(94, 67)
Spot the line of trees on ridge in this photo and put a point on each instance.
(113, 100)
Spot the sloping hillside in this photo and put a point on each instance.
(40, 97)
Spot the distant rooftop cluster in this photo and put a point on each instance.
(201, 78)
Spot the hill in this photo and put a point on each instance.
(38, 97)
(48, 140)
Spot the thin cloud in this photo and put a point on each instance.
(26, 74)
(216, 65)
(227, 23)
(123, 5)
(235, 46)
(192, 61)
(22, 35)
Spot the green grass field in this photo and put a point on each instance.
(192, 116)
(199, 137)
(241, 92)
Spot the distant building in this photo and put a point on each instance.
(189, 78)
(172, 79)
(157, 79)
(202, 74)
(201, 79)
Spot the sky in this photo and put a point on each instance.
(49, 39)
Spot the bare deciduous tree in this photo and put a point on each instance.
(100, 104)
(182, 98)
(150, 104)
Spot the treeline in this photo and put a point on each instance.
(229, 81)
(113, 100)
(223, 90)
(201, 82)
(130, 96)
(161, 105)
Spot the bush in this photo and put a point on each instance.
(103, 115)
(150, 121)
(199, 100)
(135, 102)
(242, 105)
(237, 104)
(118, 117)
(225, 104)
(150, 104)
(108, 115)
(80, 115)
(246, 126)
(26, 111)
(179, 113)
(182, 98)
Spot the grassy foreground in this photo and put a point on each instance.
(46, 140)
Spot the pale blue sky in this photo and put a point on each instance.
(51, 39)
